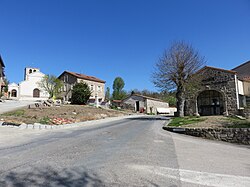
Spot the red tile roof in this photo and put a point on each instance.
(85, 77)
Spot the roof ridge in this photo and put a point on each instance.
(84, 76)
(241, 65)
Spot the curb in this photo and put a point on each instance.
(38, 126)
(175, 129)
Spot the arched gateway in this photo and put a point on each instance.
(210, 102)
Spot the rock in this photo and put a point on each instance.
(240, 117)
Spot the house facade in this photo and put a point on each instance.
(222, 92)
(140, 103)
(96, 85)
(2, 75)
(28, 89)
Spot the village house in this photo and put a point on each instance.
(2, 75)
(149, 105)
(96, 85)
(28, 89)
(223, 92)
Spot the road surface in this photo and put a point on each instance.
(10, 105)
(126, 152)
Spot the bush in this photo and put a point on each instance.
(80, 93)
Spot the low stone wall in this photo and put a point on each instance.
(232, 135)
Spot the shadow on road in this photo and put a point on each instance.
(49, 177)
(152, 118)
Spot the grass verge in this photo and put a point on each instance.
(179, 121)
(235, 122)
(15, 113)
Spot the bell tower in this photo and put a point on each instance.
(28, 71)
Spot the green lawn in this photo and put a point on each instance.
(235, 122)
(179, 121)
(15, 113)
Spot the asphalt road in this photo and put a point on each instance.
(127, 152)
(10, 105)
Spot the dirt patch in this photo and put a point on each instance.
(65, 114)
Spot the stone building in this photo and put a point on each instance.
(29, 88)
(140, 103)
(96, 85)
(2, 75)
(222, 92)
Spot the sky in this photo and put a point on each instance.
(110, 38)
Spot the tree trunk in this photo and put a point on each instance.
(180, 102)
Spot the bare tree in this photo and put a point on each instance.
(51, 84)
(175, 70)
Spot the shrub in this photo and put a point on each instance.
(80, 93)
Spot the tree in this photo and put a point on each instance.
(6, 83)
(107, 94)
(80, 93)
(118, 92)
(52, 85)
(169, 97)
(175, 70)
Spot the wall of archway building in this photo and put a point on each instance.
(221, 92)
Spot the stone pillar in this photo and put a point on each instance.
(96, 101)
(196, 108)
(225, 104)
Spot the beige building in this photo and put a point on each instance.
(96, 85)
(141, 103)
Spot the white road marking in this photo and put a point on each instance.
(196, 177)
(158, 141)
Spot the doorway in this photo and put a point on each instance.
(36, 93)
(137, 106)
(210, 102)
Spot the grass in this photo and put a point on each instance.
(235, 122)
(16, 113)
(44, 120)
(179, 121)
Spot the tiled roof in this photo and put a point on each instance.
(146, 97)
(243, 70)
(85, 77)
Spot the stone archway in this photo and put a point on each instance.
(210, 102)
(36, 93)
(13, 93)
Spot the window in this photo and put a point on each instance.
(99, 88)
(66, 78)
(92, 87)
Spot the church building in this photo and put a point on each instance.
(29, 88)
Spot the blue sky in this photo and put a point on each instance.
(109, 38)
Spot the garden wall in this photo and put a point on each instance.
(232, 135)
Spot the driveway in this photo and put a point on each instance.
(10, 105)
(125, 152)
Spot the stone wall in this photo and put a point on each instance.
(218, 80)
(130, 102)
(232, 135)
